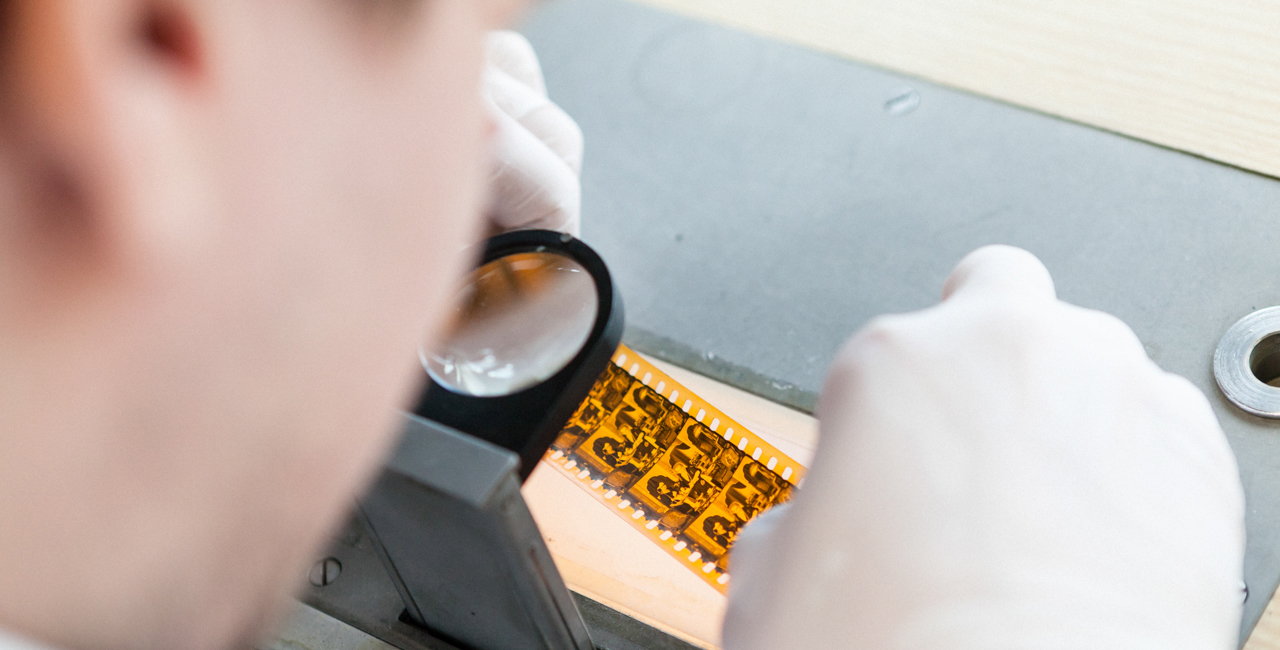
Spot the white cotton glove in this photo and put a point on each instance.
(1001, 471)
(537, 148)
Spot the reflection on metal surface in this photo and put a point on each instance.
(903, 102)
(521, 318)
(1247, 363)
(670, 464)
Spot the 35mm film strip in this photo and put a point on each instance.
(677, 469)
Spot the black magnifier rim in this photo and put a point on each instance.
(528, 420)
(543, 241)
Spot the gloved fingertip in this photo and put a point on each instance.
(1000, 269)
(535, 113)
(763, 525)
(558, 131)
(573, 226)
(512, 53)
(532, 187)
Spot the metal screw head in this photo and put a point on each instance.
(325, 572)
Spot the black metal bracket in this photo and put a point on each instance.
(444, 555)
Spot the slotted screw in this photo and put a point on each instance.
(325, 572)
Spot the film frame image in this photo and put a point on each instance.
(669, 463)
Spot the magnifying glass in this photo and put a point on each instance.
(534, 326)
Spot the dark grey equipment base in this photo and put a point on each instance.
(445, 553)
(364, 597)
(459, 544)
(758, 202)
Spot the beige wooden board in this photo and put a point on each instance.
(1201, 76)
(604, 558)
(1266, 635)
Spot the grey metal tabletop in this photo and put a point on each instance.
(758, 202)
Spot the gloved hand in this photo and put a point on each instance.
(537, 147)
(1003, 470)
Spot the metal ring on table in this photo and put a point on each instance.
(1247, 362)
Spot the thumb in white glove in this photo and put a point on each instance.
(1003, 470)
(537, 147)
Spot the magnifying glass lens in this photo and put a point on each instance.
(521, 318)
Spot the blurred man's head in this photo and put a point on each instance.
(224, 227)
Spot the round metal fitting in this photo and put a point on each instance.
(325, 572)
(1247, 363)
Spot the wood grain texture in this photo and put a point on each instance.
(1266, 634)
(1199, 76)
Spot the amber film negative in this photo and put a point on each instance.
(680, 471)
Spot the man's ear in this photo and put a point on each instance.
(101, 100)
